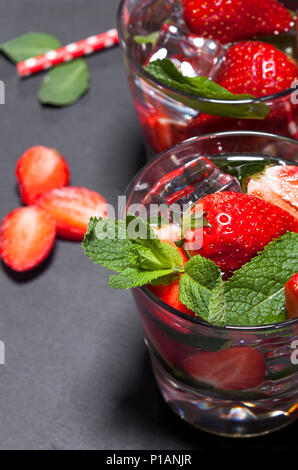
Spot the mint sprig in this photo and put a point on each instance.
(201, 290)
(138, 261)
(255, 294)
(165, 71)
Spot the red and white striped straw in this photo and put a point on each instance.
(67, 53)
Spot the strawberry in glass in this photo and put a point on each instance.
(197, 67)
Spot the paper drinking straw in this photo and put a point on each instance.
(71, 51)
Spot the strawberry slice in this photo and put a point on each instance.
(39, 170)
(232, 20)
(278, 185)
(291, 291)
(173, 352)
(72, 207)
(256, 68)
(236, 368)
(26, 238)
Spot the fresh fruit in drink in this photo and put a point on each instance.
(171, 351)
(26, 238)
(236, 368)
(71, 207)
(291, 291)
(278, 185)
(256, 68)
(39, 170)
(239, 226)
(170, 295)
(232, 20)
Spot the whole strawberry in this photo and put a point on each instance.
(256, 68)
(238, 227)
(232, 20)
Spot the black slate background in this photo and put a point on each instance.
(77, 374)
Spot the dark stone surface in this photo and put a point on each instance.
(77, 373)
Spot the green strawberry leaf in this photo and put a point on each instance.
(29, 45)
(65, 84)
(165, 71)
(201, 290)
(255, 294)
(139, 260)
(149, 39)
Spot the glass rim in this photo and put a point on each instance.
(184, 94)
(161, 303)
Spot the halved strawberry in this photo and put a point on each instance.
(291, 291)
(231, 20)
(278, 185)
(72, 207)
(26, 238)
(39, 170)
(236, 368)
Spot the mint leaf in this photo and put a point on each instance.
(166, 71)
(115, 254)
(65, 84)
(139, 261)
(255, 294)
(135, 277)
(241, 169)
(29, 45)
(201, 290)
(149, 39)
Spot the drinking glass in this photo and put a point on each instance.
(172, 336)
(168, 116)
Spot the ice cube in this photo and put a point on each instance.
(188, 184)
(192, 55)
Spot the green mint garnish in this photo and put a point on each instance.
(240, 169)
(65, 84)
(138, 261)
(149, 39)
(201, 290)
(29, 45)
(255, 294)
(165, 71)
